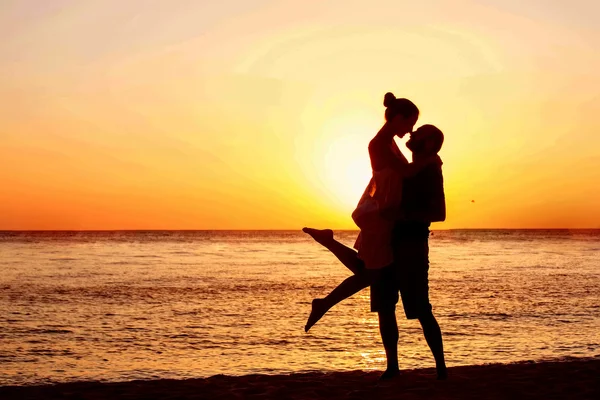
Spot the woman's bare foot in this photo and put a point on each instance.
(322, 236)
(316, 313)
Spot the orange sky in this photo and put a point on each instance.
(252, 114)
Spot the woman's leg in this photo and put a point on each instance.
(361, 279)
(346, 255)
(347, 288)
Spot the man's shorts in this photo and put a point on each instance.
(409, 275)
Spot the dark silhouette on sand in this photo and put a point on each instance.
(408, 213)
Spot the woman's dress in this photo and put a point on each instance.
(383, 195)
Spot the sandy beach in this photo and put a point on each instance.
(566, 379)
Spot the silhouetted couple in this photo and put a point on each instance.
(394, 214)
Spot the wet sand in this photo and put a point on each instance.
(566, 379)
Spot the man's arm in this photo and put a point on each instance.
(427, 203)
(437, 198)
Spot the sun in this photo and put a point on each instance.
(346, 169)
(333, 157)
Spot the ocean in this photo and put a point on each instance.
(113, 306)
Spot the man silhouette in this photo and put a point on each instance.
(423, 202)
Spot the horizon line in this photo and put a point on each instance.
(280, 230)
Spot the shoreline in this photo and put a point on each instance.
(571, 378)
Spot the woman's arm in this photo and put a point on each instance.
(401, 165)
(382, 155)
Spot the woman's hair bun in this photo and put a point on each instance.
(389, 99)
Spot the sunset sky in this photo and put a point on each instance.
(248, 114)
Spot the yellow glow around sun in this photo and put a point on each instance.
(346, 169)
(258, 117)
(342, 160)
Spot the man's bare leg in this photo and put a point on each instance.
(388, 328)
(433, 336)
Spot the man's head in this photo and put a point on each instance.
(427, 140)
(403, 112)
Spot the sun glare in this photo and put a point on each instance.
(347, 170)
(346, 167)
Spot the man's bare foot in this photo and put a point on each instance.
(322, 236)
(389, 373)
(442, 373)
(316, 313)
